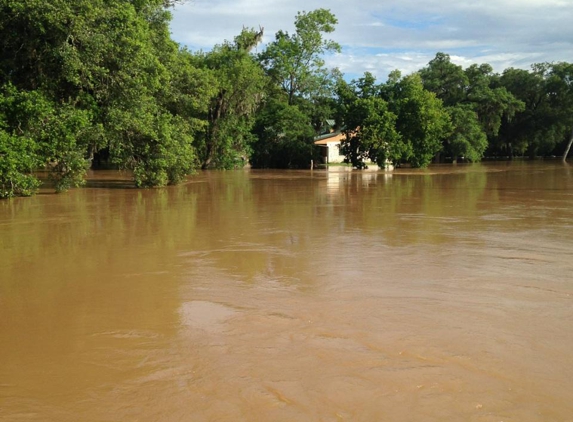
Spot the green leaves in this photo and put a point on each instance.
(92, 75)
(447, 80)
(546, 118)
(467, 140)
(83, 77)
(295, 61)
(391, 123)
(239, 84)
(299, 97)
(371, 133)
(20, 113)
(284, 137)
(18, 158)
(422, 120)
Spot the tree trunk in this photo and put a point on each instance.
(568, 148)
(531, 151)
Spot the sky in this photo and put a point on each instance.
(379, 36)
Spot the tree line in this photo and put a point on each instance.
(91, 82)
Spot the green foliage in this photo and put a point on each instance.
(546, 120)
(467, 140)
(561, 98)
(103, 74)
(284, 137)
(159, 150)
(370, 127)
(475, 88)
(78, 77)
(239, 83)
(149, 114)
(234, 139)
(18, 159)
(422, 121)
(491, 104)
(371, 134)
(295, 62)
(50, 134)
(318, 109)
(447, 80)
(299, 97)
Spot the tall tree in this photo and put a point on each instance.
(300, 89)
(422, 121)
(469, 94)
(447, 80)
(467, 139)
(105, 74)
(491, 103)
(547, 117)
(371, 134)
(284, 136)
(295, 62)
(370, 127)
(240, 83)
(561, 98)
(40, 60)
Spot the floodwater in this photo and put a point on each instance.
(436, 295)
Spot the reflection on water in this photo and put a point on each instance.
(442, 294)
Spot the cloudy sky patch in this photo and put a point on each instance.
(382, 35)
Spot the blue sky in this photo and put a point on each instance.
(380, 36)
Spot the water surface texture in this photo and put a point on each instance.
(436, 295)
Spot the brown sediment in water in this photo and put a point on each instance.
(283, 296)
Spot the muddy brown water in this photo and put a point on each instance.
(437, 295)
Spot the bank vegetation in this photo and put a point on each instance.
(101, 83)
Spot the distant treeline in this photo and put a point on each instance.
(100, 82)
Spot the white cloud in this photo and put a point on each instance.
(382, 35)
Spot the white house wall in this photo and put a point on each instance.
(334, 153)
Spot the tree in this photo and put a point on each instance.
(491, 103)
(104, 74)
(467, 139)
(18, 151)
(371, 134)
(142, 132)
(300, 89)
(560, 85)
(295, 62)
(240, 83)
(568, 147)
(473, 89)
(40, 73)
(284, 137)
(369, 125)
(546, 119)
(422, 121)
(446, 79)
